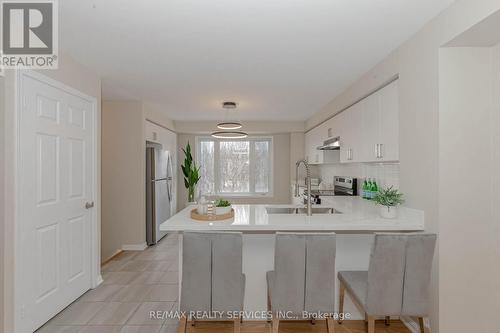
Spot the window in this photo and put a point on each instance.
(235, 167)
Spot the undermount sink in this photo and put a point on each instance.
(290, 210)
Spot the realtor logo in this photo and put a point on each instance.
(29, 34)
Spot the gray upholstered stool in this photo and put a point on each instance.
(397, 280)
(303, 279)
(212, 278)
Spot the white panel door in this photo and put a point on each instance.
(56, 179)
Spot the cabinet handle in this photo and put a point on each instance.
(380, 153)
(376, 150)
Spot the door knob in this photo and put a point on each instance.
(89, 205)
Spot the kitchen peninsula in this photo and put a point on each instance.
(352, 218)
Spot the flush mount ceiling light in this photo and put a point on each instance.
(229, 127)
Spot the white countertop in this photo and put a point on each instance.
(357, 215)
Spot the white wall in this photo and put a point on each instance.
(125, 128)
(417, 63)
(76, 76)
(122, 185)
(495, 180)
(251, 127)
(2, 186)
(469, 165)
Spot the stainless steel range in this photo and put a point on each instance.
(347, 186)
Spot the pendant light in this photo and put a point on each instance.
(229, 127)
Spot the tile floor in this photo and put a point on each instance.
(135, 283)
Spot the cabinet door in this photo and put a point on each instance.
(389, 123)
(315, 142)
(354, 138)
(307, 148)
(331, 128)
(370, 128)
(344, 132)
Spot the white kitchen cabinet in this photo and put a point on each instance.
(381, 125)
(351, 134)
(344, 133)
(369, 130)
(388, 138)
(315, 138)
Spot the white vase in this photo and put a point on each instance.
(388, 212)
(222, 210)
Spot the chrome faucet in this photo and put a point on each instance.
(308, 183)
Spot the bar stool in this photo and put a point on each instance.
(212, 278)
(303, 280)
(397, 280)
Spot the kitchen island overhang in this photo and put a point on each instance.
(355, 224)
(353, 215)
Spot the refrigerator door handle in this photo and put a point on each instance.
(169, 195)
(160, 179)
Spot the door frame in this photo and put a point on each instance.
(95, 271)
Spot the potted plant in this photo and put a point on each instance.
(191, 173)
(222, 207)
(388, 199)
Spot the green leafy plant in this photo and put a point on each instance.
(388, 197)
(191, 172)
(222, 203)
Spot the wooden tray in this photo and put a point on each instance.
(205, 217)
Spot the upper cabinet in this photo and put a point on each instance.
(316, 138)
(368, 130)
(380, 125)
(388, 135)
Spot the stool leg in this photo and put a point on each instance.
(371, 324)
(237, 325)
(276, 324)
(341, 302)
(182, 325)
(423, 328)
(330, 325)
(387, 320)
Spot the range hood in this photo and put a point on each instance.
(330, 144)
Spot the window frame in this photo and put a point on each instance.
(217, 185)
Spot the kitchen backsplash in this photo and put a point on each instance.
(386, 174)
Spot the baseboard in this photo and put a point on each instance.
(135, 247)
(117, 252)
(411, 324)
(99, 279)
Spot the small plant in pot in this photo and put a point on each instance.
(222, 207)
(388, 199)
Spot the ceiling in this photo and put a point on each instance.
(279, 59)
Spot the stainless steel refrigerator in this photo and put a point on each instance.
(159, 190)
